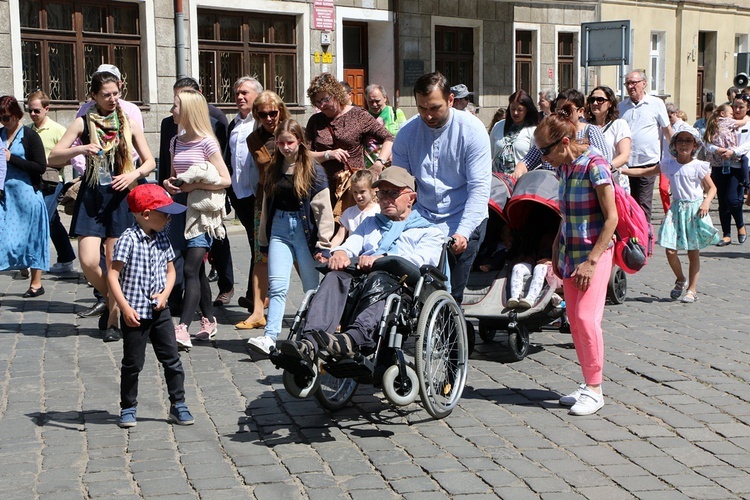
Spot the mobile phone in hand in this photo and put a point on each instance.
(177, 182)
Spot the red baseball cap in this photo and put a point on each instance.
(153, 197)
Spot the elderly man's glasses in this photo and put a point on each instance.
(633, 83)
(545, 150)
(273, 114)
(391, 194)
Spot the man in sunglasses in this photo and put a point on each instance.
(396, 230)
(222, 259)
(648, 120)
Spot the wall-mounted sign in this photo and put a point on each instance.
(324, 15)
(413, 69)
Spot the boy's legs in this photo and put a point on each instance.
(133, 354)
(164, 343)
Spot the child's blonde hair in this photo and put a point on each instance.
(712, 126)
(363, 177)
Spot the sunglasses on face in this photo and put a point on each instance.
(5, 118)
(35, 111)
(597, 100)
(547, 149)
(273, 114)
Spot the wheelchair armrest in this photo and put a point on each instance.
(399, 267)
(351, 268)
(434, 272)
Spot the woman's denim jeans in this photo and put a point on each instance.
(287, 244)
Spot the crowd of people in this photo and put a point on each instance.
(351, 182)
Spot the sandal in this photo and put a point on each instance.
(679, 286)
(690, 297)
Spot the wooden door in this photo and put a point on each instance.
(357, 81)
(699, 97)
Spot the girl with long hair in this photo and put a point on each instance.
(582, 251)
(108, 138)
(193, 146)
(512, 137)
(296, 224)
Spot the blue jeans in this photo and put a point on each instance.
(287, 243)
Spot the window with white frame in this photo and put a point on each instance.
(657, 69)
(740, 45)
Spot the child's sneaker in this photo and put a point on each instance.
(572, 398)
(525, 303)
(183, 337)
(180, 415)
(589, 402)
(127, 418)
(512, 303)
(208, 329)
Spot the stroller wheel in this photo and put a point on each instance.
(617, 289)
(518, 341)
(487, 334)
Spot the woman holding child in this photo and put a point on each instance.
(582, 252)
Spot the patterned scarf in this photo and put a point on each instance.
(107, 132)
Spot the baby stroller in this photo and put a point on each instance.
(417, 307)
(532, 202)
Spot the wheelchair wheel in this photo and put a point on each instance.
(441, 354)
(518, 341)
(398, 392)
(335, 393)
(301, 385)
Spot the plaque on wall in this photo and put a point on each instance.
(413, 69)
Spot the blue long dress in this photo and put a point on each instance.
(24, 223)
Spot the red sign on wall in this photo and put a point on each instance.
(324, 15)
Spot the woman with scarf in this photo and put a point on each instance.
(512, 137)
(24, 240)
(107, 137)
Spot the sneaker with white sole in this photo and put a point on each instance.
(262, 345)
(512, 303)
(589, 402)
(525, 303)
(61, 267)
(571, 398)
(208, 329)
(183, 337)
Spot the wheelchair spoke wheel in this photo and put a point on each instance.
(400, 392)
(441, 354)
(335, 393)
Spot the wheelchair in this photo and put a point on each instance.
(417, 307)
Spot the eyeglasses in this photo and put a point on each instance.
(633, 83)
(391, 194)
(323, 101)
(273, 114)
(5, 118)
(35, 111)
(547, 149)
(597, 100)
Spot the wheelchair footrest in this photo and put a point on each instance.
(351, 368)
(293, 365)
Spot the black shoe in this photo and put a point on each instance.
(33, 292)
(113, 334)
(95, 310)
(103, 320)
(741, 238)
(213, 275)
(245, 302)
(723, 243)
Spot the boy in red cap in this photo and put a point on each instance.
(140, 279)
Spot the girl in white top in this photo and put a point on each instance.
(364, 196)
(687, 225)
(601, 110)
(512, 137)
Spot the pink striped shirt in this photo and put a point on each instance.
(187, 154)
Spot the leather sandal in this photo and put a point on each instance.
(33, 292)
(679, 286)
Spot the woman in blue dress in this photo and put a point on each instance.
(24, 223)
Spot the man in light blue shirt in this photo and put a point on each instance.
(448, 152)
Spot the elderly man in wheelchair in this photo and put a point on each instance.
(383, 284)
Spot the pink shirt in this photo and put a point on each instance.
(187, 154)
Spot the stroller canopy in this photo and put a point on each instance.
(534, 190)
(501, 190)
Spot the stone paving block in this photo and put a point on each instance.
(660, 466)
(642, 483)
(706, 492)
(520, 493)
(327, 494)
(264, 474)
(165, 486)
(414, 485)
(109, 489)
(461, 483)
(690, 479)
(597, 455)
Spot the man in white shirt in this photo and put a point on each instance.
(244, 172)
(648, 120)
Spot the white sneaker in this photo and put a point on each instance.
(183, 337)
(572, 398)
(588, 403)
(263, 345)
(512, 303)
(61, 267)
(525, 303)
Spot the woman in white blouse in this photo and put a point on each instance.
(512, 138)
(601, 110)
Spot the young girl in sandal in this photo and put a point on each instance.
(296, 223)
(687, 225)
(364, 196)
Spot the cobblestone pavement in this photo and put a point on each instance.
(674, 424)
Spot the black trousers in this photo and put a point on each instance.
(642, 189)
(327, 307)
(220, 250)
(160, 330)
(460, 265)
(731, 195)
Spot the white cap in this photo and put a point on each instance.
(109, 68)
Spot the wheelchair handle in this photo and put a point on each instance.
(449, 242)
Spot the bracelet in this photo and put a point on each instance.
(328, 155)
(379, 160)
